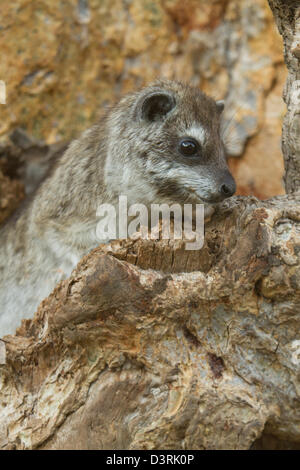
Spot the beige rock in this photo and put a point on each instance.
(64, 62)
(260, 171)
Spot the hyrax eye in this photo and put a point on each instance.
(188, 147)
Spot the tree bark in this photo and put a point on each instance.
(287, 17)
(122, 357)
(150, 346)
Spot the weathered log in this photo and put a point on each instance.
(122, 357)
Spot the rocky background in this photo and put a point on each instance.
(64, 62)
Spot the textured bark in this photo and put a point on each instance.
(122, 357)
(287, 16)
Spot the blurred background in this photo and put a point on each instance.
(64, 61)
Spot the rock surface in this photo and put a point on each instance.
(64, 62)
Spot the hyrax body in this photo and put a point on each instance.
(161, 144)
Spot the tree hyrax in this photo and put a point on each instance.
(161, 144)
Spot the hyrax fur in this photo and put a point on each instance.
(161, 144)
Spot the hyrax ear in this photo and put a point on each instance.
(156, 105)
(220, 105)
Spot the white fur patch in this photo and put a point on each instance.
(198, 132)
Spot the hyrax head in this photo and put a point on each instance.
(174, 131)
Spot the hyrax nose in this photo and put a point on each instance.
(228, 187)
